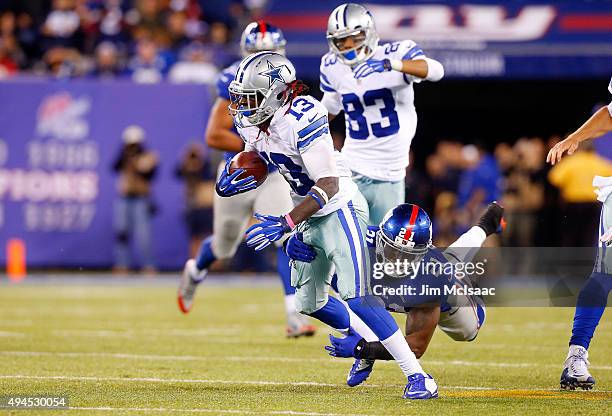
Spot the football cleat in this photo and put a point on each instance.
(189, 282)
(298, 325)
(420, 386)
(360, 371)
(575, 372)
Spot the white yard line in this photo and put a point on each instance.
(217, 411)
(155, 357)
(255, 382)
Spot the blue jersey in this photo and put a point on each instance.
(428, 283)
(223, 83)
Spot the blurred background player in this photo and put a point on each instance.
(373, 85)
(290, 130)
(593, 297)
(232, 216)
(405, 235)
(136, 167)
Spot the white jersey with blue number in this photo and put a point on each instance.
(379, 111)
(294, 132)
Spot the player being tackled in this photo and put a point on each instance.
(405, 235)
(289, 129)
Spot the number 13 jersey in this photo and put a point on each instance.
(379, 111)
(300, 145)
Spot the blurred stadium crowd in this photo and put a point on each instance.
(145, 40)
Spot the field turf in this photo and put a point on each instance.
(122, 347)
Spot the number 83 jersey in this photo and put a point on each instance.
(300, 145)
(379, 111)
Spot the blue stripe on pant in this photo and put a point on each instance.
(351, 240)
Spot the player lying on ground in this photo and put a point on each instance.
(593, 297)
(405, 234)
(373, 85)
(231, 217)
(290, 131)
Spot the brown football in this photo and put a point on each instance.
(252, 163)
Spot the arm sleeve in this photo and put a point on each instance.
(435, 70)
(465, 247)
(319, 159)
(331, 98)
(333, 102)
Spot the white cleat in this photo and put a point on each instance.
(189, 282)
(575, 370)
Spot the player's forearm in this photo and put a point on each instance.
(426, 68)
(596, 126)
(223, 139)
(320, 194)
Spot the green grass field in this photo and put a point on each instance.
(125, 349)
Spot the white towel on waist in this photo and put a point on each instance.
(604, 187)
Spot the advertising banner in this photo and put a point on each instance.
(58, 143)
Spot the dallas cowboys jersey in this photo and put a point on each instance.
(379, 111)
(293, 132)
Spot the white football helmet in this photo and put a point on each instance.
(260, 87)
(352, 20)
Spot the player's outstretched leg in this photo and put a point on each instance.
(336, 315)
(297, 324)
(420, 385)
(194, 273)
(590, 306)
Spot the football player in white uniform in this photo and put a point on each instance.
(231, 217)
(593, 297)
(291, 132)
(373, 85)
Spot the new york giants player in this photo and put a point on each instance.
(405, 235)
(373, 85)
(593, 297)
(231, 217)
(291, 132)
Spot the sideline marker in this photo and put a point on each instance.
(15, 259)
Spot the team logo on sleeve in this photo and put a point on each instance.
(274, 73)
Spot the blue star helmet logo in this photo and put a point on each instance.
(274, 73)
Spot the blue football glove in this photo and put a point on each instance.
(229, 185)
(371, 66)
(344, 347)
(270, 229)
(298, 250)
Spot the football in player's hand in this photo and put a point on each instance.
(252, 163)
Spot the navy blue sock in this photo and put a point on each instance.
(371, 311)
(205, 255)
(333, 314)
(284, 271)
(590, 306)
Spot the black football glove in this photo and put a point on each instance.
(492, 220)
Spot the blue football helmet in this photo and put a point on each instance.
(261, 36)
(404, 235)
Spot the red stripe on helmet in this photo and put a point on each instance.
(413, 216)
(262, 26)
